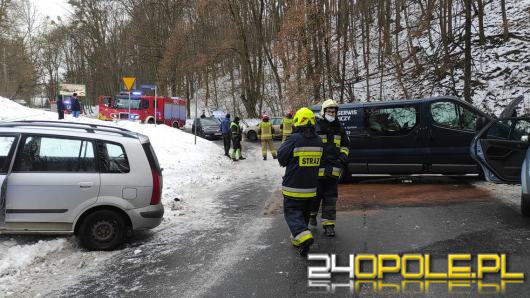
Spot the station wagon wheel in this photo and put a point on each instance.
(252, 136)
(102, 230)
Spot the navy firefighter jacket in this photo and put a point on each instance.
(336, 147)
(300, 154)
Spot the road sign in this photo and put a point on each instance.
(150, 87)
(129, 82)
(70, 89)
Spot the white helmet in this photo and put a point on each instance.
(328, 103)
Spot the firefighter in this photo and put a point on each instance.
(300, 154)
(265, 133)
(235, 129)
(286, 127)
(334, 157)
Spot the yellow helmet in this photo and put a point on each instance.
(328, 103)
(303, 117)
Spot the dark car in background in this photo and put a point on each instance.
(405, 137)
(208, 128)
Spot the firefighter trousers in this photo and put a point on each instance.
(327, 195)
(267, 144)
(284, 137)
(296, 213)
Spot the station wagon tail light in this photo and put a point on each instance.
(157, 191)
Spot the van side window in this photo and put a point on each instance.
(451, 115)
(468, 118)
(47, 154)
(390, 121)
(112, 158)
(6, 142)
(445, 114)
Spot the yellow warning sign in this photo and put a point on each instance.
(129, 82)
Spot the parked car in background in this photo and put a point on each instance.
(426, 136)
(208, 128)
(501, 149)
(251, 132)
(98, 182)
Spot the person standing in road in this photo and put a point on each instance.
(286, 127)
(265, 133)
(334, 158)
(300, 154)
(236, 134)
(225, 129)
(76, 106)
(60, 107)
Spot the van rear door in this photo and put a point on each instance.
(7, 149)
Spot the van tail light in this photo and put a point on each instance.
(157, 191)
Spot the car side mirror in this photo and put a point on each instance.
(524, 139)
(480, 123)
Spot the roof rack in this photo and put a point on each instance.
(91, 128)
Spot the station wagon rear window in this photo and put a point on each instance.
(112, 158)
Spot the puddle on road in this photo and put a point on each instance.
(364, 196)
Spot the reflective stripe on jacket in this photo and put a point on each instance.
(301, 155)
(265, 130)
(286, 126)
(336, 147)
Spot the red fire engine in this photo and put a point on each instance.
(169, 110)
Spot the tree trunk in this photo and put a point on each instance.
(506, 33)
(480, 13)
(467, 49)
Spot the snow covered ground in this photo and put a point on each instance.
(193, 174)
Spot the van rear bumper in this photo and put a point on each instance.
(146, 217)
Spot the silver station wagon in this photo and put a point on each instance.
(98, 182)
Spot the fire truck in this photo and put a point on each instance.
(169, 110)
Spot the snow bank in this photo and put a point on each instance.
(194, 175)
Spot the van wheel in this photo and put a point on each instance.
(525, 205)
(102, 230)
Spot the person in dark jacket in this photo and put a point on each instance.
(225, 129)
(334, 158)
(237, 136)
(76, 106)
(60, 107)
(300, 154)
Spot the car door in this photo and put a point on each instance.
(8, 144)
(394, 143)
(500, 149)
(451, 127)
(53, 179)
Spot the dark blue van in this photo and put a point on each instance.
(426, 136)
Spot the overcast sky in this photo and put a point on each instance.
(52, 8)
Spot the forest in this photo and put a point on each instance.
(254, 56)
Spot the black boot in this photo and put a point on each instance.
(303, 249)
(329, 231)
(274, 157)
(242, 158)
(264, 157)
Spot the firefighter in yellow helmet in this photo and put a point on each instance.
(265, 133)
(334, 158)
(300, 154)
(286, 127)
